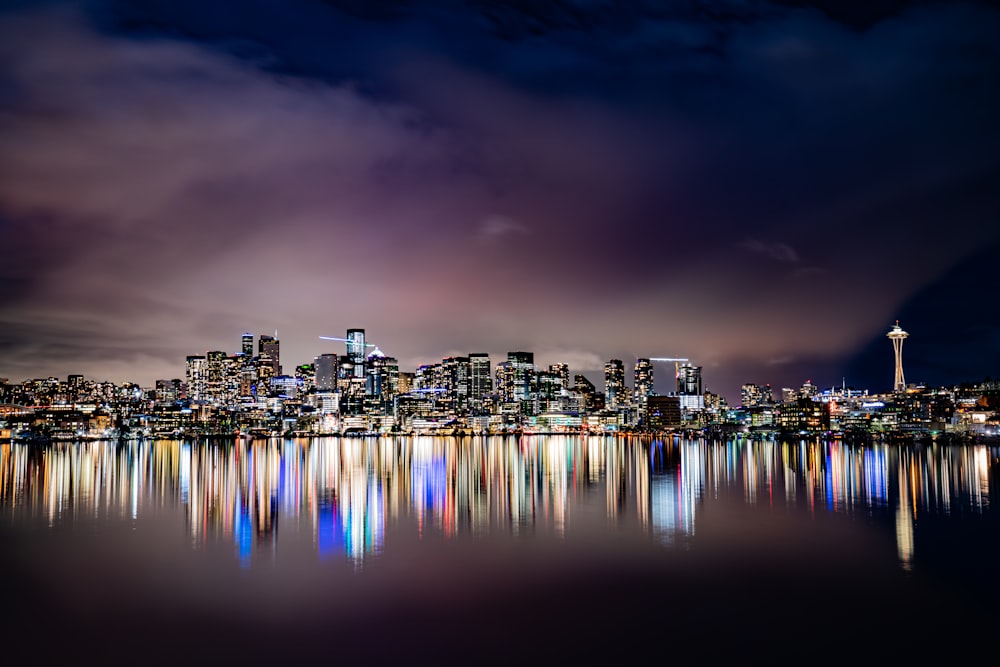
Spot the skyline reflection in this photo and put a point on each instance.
(353, 496)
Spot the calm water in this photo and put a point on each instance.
(495, 550)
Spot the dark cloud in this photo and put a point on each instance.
(732, 182)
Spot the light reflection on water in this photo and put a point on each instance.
(349, 494)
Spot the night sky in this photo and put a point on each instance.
(761, 187)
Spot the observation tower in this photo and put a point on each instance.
(897, 336)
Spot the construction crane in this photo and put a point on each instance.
(677, 363)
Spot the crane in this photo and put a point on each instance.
(677, 363)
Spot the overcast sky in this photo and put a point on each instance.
(760, 187)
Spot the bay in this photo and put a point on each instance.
(536, 549)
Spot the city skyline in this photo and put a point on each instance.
(760, 187)
(668, 380)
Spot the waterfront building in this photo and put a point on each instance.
(663, 412)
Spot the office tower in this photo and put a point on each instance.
(305, 374)
(897, 336)
(480, 378)
(456, 372)
(216, 375)
(562, 372)
(269, 347)
(167, 391)
(522, 369)
(550, 391)
(807, 390)
(196, 375)
(588, 393)
(326, 372)
(663, 412)
(689, 380)
(753, 395)
(356, 351)
(614, 383)
(406, 380)
(247, 348)
(643, 379)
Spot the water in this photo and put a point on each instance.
(492, 550)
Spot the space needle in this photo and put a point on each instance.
(897, 336)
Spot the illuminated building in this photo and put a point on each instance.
(480, 380)
(406, 380)
(382, 383)
(356, 350)
(752, 395)
(167, 391)
(197, 377)
(614, 383)
(643, 379)
(550, 391)
(247, 348)
(326, 372)
(270, 347)
(689, 380)
(562, 372)
(807, 390)
(663, 412)
(804, 415)
(897, 336)
(592, 401)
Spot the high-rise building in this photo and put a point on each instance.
(456, 372)
(753, 395)
(247, 348)
(480, 380)
(643, 379)
(326, 372)
(356, 350)
(523, 379)
(197, 377)
(689, 380)
(270, 347)
(588, 393)
(562, 372)
(614, 383)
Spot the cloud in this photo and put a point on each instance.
(780, 252)
(498, 226)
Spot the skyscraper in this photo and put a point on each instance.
(689, 380)
(480, 379)
(356, 350)
(247, 349)
(614, 383)
(643, 378)
(197, 377)
(326, 372)
(523, 379)
(270, 347)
